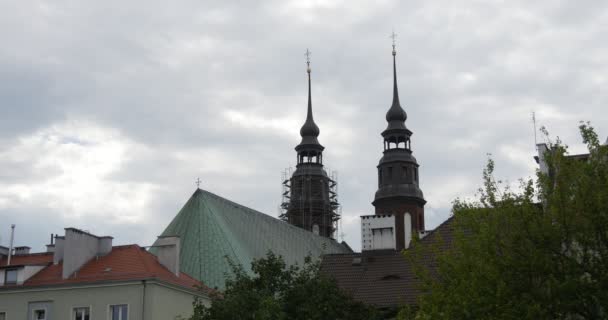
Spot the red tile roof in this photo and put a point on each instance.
(123, 263)
(28, 259)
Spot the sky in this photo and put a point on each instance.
(110, 110)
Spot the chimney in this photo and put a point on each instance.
(542, 163)
(51, 247)
(167, 251)
(10, 247)
(105, 245)
(22, 250)
(79, 247)
(58, 249)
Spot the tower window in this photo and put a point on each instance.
(390, 173)
(379, 177)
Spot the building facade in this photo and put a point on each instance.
(83, 277)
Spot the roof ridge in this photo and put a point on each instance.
(237, 204)
(143, 260)
(437, 228)
(33, 254)
(124, 246)
(267, 216)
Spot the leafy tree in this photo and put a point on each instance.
(539, 252)
(276, 291)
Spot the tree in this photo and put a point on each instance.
(540, 252)
(276, 291)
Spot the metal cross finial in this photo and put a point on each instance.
(394, 37)
(307, 54)
(198, 182)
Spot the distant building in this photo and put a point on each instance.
(214, 230)
(542, 149)
(310, 194)
(82, 277)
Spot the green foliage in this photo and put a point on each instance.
(277, 291)
(540, 252)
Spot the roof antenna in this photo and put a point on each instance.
(534, 124)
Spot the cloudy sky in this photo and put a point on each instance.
(109, 110)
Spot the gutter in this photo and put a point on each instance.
(143, 300)
(97, 284)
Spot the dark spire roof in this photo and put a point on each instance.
(395, 116)
(309, 131)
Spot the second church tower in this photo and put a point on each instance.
(398, 191)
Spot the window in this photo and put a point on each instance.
(119, 312)
(2, 315)
(39, 314)
(10, 276)
(82, 313)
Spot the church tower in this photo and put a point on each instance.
(311, 201)
(398, 191)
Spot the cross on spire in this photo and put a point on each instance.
(394, 37)
(198, 182)
(307, 54)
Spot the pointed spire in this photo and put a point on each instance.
(395, 113)
(310, 128)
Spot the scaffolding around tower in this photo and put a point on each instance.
(311, 201)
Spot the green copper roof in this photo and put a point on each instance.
(212, 228)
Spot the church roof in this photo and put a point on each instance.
(385, 278)
(212, 229)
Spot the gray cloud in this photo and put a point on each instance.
(150, 95)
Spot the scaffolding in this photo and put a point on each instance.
(304, 207)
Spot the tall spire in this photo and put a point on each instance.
(399, 191)
(395, 113)
(310, 128)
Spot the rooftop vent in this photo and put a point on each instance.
(22, 250)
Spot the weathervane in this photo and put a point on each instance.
(307, 54)
(198, 183)
(394, 37)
